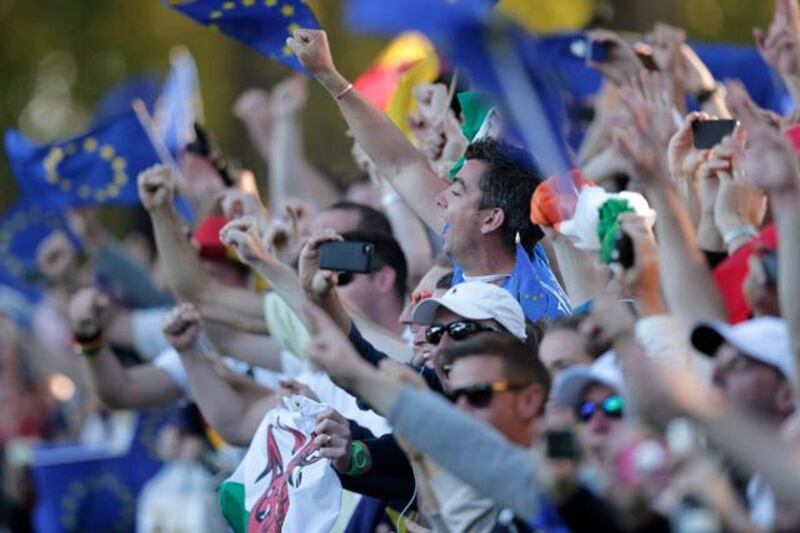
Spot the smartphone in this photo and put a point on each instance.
(562, 445)
(709, 133)
(623, 253)
(769, 260)
(347, 256)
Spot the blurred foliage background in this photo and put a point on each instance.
(57, 58)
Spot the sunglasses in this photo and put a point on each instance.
(457, 330)
(613, 406)
(480, 396)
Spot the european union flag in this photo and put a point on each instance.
(23, 227)
(91, 488)
(119, 98)
(433, 17)
(260, 24)
(98, 167)
(179, 105)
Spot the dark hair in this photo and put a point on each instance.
(510, 178)
(573, 323)
(445, 282)
(370, 219)
(388, 253)
(520, 359)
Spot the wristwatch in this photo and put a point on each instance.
(359, 459)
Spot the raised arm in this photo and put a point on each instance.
(118, 387)
(233, 415)
(395, 157)
(184, 271)
(772, 164)
(686, 279)
(505, 472)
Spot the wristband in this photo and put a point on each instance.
(359, 459)
(344, 92)
(89, 347)
(734, 234)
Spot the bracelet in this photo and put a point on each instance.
(344, 91)
(735, 234)
(359, 459)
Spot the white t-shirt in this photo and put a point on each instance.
(170, 362)
(319, 382)
(148, 338)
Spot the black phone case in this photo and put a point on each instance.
(709, 133)
(347, 256)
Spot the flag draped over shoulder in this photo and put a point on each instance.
(98, 167)
(262, 25)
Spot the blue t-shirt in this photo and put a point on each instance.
(533, 285)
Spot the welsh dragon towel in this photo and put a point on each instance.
(282, 484)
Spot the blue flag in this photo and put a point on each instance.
(23, 227)
(91, 488)
(96, 168)
(432, 17)
(262, 25)
(179, 105)
(119, 98)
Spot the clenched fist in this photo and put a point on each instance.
(313, 51)
(156, 187)
(88, 312)
(182, 327)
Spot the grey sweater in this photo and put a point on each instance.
(470, 450)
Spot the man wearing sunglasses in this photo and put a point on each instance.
(464, 311)
(595, 395)
(495, 378)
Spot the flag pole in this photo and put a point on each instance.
(146, 120)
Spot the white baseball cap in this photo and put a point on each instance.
(476, 300)
(765, 339)
(572, 382)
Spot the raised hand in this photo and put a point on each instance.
(313, 51)
(88, 313)
(182, 327)
(770, 161)
(667, 42)
(289, 96)
(56, 257)
(243, 234)
(684, 159)
(622, 64)
(644, 135)
(739, 203)
(253, 108)
(317, 283)
(333, 439)
(780, 45)
(156, 187)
